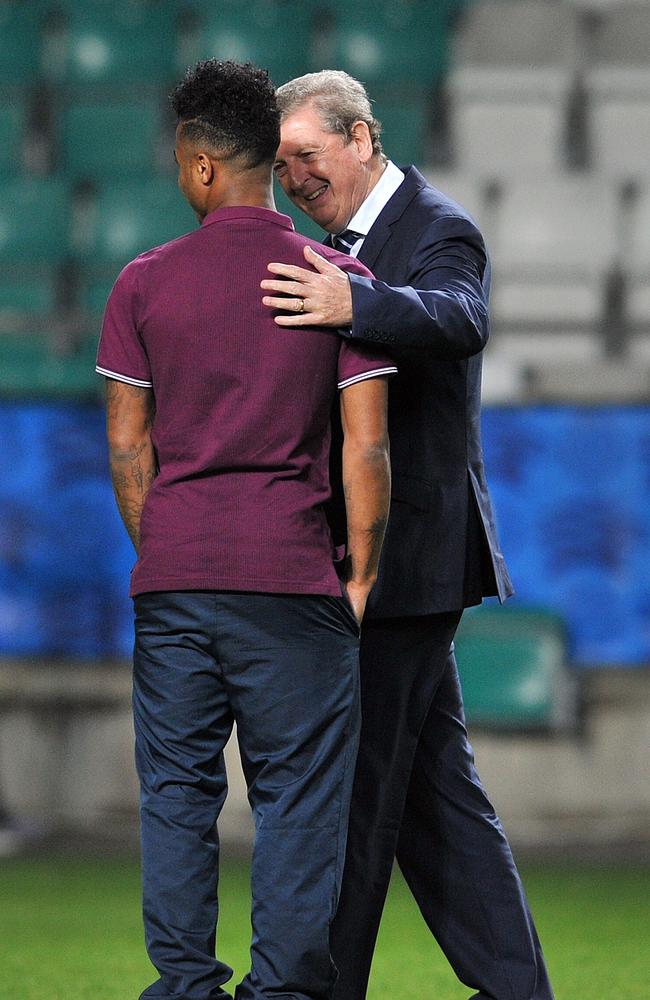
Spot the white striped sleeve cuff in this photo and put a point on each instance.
(124, 378)
(392, 370)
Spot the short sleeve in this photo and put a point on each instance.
(357, 363)
(121, 354)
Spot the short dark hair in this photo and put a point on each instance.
(232, 108)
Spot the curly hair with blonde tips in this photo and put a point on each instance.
(231, 108)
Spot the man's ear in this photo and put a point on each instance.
(205, 169)
(362, 139)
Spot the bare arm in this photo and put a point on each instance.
(129, 417)
(366, 483)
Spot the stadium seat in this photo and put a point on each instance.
(391, 44)
(552, 249)
(597, 382)
(107, 139)
(119, 43)
(639, 349)
(493, 137)
(618, 87)
(518, 34)
(32, 365)
(34, 219)
(25, 292)
(12, 134)
(404, 129)
(539, 348)
(133, 217)
(510, 86)
(275, 36)
(20, 43)
(512, 664)
(94, 291)
(466, 189)
(637, 264)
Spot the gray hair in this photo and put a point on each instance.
(339, 99)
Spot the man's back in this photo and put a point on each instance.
(242, 411)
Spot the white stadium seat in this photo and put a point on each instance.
(637, 263)
(510, 86)
(553, 247)
(525, 33)
(467, 190)
(618, 86)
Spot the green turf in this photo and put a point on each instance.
(70, 930)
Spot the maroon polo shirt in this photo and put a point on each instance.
(242, 409)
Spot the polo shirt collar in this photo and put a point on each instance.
(247, 212)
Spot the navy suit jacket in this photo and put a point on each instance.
(428, 305)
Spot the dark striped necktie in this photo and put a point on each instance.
(346, 240)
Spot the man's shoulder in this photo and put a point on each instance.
(435, 203)
(342, 260)
(162, 252)
(418, 207)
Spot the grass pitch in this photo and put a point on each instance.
(71, 930)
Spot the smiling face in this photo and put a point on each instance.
(324, 174)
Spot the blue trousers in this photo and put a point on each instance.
(285, 669)
(418, 798)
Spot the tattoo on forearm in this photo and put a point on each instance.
(133, 468)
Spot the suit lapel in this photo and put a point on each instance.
(381, 230)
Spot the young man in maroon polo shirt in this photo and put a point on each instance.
(218, 429)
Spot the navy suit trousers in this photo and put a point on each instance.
(417, 797)
(285, 669)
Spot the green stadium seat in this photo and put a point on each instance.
(392, 43)
(131, 218)
(107, 139)
(405, 130)
(94, 291)
(119, 43)
(26, 292)
(30, 365)
(34, 220)
(20, 43)
(12, 134)
(512, 664)
(273, 35)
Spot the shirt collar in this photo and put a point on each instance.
(365, 216)
(247, 212)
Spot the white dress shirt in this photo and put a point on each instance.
(365, 217)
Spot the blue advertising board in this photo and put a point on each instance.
(571, 487)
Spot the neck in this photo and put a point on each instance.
(377, 167)
(238, 190)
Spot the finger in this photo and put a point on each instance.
(286, 304)
(320, 263)
(285, 286)
(298, 319)
(290, 271)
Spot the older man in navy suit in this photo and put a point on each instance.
(417, 794)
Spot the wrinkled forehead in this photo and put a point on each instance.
(304, 127)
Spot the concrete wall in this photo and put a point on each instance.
(66, 763)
